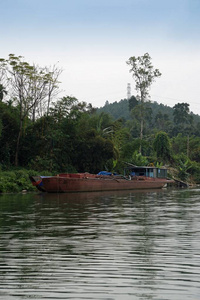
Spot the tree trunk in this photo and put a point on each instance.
(18, 141)
(141, 134)
(188, 146)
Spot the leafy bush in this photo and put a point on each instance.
(195, 172)
(18, 180)
(139, 160)
(7, 184)
(183, 165)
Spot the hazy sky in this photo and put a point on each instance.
(92, 40)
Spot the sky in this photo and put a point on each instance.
(91, 40)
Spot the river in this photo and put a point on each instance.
(113, 245)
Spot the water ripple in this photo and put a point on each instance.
(101, 246)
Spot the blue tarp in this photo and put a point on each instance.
(104, 173)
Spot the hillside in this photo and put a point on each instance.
(121, 110)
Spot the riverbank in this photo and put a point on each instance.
(16, 181)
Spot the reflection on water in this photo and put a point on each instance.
(112, 245)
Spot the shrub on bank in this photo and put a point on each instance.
(15, 181)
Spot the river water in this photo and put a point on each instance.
(119, 245)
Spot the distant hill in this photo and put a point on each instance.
(121, 110)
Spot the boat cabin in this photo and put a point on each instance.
(146, 171)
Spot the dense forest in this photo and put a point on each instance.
(42, 133)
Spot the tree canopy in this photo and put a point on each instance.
(143, 73)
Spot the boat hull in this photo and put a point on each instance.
(37, 182)
(62, 184)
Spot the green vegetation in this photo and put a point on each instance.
(40, 134)
(17, 180)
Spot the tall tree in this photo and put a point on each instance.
(183, 120)
(162, 146)
(28, 86)
(144, 75)
(142, 112)
(2, 71)
(181, 114)
(52, 85)
(2, 92)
